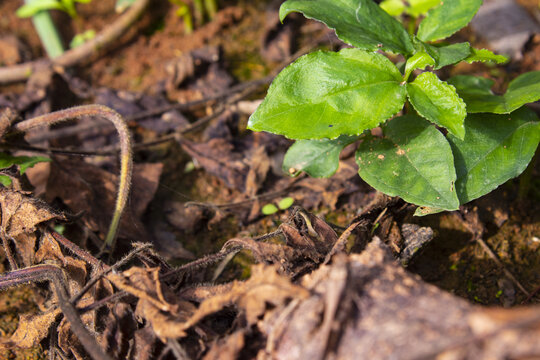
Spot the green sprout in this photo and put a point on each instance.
(283, 204)
(38, 10)
(202, 11)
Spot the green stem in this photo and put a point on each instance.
(411, 26)
(126, 157)
(525, 178)
(47, 33)
(198, 12)
(211, 8)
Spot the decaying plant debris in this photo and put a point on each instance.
(292, 306)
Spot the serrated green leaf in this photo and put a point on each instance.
(360, 23)
(445, 20)
(485, 55)
(496, 148)
(420, 60)
(269, 209)
(448, 54)
(413, 161)
(327, 94)
(285, 203)
(438, 102)
(476, 92)
(318, 158)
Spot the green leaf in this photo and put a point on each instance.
(24, 162)
(32, 8)
(444, 20)
(448, 54)
(414, 8)
(393, 7)
(426, 210)
(318, 158)
(476, 92)
(420, 60)
(269, 209)
(360, 23)
(285, 203)
(496, 148)
(413, 161)
(420, 7)
(438, 102)
(327, 94)
(485, 55)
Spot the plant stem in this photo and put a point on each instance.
(525, 178)
(211, 8)
(47, 33)
(55, 275)
(126, 161)
(198, 10)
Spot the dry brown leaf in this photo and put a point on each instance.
(265, 286)
(366, 307)
(21, 213)
(120, 325)
(156, 304)
(218, 158)
(228, 348)
(31, 330)
(87, 188)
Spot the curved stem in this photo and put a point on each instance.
(55, 275)
(126, 160)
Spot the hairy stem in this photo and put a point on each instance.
(126, 161)
(55, 275)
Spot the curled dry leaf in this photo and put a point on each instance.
(21, 213)
(265, 286)
(157, 304)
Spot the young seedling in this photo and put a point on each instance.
(455, 140)
(38, 10)
(126, 161)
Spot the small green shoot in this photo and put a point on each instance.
(80, 39)
(283, 204)
(269, 209)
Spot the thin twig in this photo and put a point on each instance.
(79, 54)
(74, 299)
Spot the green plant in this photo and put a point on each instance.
(38, 11)
(202, 10)
(32, 7)
(453, 142)
(24, 163)
(283, 204)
